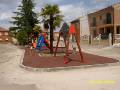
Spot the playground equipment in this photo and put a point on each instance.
(65, 33)
(42, 42)
(67, 55)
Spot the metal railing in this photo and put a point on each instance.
(117, 36)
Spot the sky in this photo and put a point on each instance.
(71, 9)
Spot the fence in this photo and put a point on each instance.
(98, 41)
(84, 39)
(117, 38)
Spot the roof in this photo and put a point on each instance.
(110, 6)
(97, 11)
(76, 20)
(118, 3)
(3, 29)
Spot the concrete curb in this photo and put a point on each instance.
(63, 68)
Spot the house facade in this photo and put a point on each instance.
(76, 23)
(105, 21)
(81, 27)
(4, 35)
(84, 26)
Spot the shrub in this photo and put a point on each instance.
(22, 37)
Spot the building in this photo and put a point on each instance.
(76, 23)
(84, 26)
(56, 35)
(4, 35)
(105, 21)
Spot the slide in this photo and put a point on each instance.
(42, 43)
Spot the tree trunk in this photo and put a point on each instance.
(51, 34)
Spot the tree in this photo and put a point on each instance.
(22, 37)
(25, 20)
(36, 30)
(51, 15)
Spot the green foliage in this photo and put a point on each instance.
(13, 31)
(50, 9)
(37, 29)
(51, 17)
(53, 10)
(22, 37)
(25, 19)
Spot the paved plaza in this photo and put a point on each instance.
(97, 78)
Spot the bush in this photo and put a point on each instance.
(22, 37)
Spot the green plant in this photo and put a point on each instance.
(22, 37)
(51, 17)
(24, 21)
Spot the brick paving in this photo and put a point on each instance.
(32, 59)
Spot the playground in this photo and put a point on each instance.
(11, 73)
(39, 56)
(35, 61)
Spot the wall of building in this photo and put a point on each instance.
(5, 37)
(116, 14)
(101, 21)
(84, 26)
(100, 16)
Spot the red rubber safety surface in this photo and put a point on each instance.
(31, 59)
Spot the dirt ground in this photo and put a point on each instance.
(80, 79)
(32, 59)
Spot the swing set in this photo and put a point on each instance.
(65, 33)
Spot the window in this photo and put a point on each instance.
(0, 34)
(94, 32)
(118, 30)
(108, 30)
(94, 21)
(109, 18)
(6, 39)
(100, 17)
(0, 39)
(6, 33)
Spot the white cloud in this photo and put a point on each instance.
(56, 1)
(6, 15)
(72, 11)
(98, 1)
(7, 1)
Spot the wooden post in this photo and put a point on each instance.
(80, 52)
(57, 45)
(67, 46)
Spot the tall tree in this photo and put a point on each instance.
(51, 17)
(25, 19)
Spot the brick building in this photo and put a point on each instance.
(4, 35)
(105, 21)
